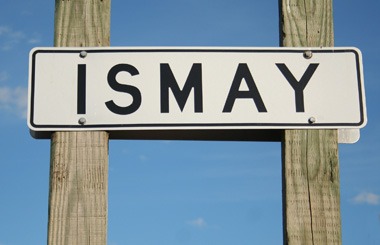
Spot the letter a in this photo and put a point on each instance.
(252, 93)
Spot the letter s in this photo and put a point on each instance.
(133, 91)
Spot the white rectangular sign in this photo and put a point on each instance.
(195, 88)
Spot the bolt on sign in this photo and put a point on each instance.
(121, 89)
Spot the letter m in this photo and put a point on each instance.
(168, 81)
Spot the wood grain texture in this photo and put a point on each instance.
(78, 188)
(311, 189)
(82, 23)
(306, 23)
(78, 193)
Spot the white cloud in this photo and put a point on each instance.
(198, 223)
(3, 76)
(3, 30)
(14, 100)
(367, 198)
(143, 158)
(34, 40)
(9, 38)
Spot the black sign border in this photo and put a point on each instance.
(199, 127)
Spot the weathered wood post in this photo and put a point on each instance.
(79, 160)
(311, 195)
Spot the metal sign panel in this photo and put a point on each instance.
(126, 88)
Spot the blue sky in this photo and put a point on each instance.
(183, 192)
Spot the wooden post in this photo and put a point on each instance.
(311, 195)
(79, 160)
